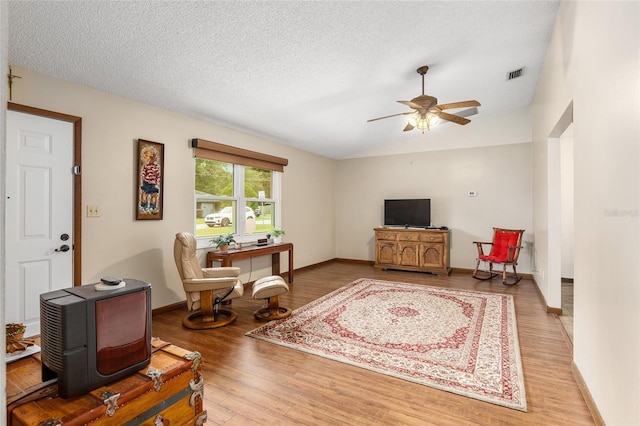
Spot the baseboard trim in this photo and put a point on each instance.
(366, 262)
(312, 266)
(470, 272)
(588, 399)
(552, 310)
(168, 308)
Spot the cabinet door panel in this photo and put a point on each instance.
(432, 255)
(386, 252)
(408, 254)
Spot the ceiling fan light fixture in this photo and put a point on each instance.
(421, 122)
(426, 111)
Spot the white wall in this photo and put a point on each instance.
(501, 176)
(115, 243)
(593, 61)
(566, 195)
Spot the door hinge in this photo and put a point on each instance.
(76, 170)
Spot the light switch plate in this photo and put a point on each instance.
(93, 210)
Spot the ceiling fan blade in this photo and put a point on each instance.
(411, 104)
(425, 108)
(408, 127)
(461, 104)
(467, 112)
(453, 118)
(392, 115)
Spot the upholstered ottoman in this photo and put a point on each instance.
(269, 288)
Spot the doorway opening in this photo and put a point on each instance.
(560, 147)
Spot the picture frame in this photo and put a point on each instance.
(150, 180)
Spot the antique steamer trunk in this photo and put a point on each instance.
(168, 392)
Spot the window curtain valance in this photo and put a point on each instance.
(230, 154)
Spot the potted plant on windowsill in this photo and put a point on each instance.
(277, 235)
(222, 241)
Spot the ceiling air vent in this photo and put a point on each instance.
(515, 74)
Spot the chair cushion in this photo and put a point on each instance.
(196, 279)
(500, 249)
(493, 259)
(185, 256)
(267, 287)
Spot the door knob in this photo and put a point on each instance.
(63, 247)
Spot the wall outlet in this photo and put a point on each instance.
(472, 193)
(93, 210)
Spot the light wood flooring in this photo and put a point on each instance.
(251, 382)
(567, 308)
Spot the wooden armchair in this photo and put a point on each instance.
(505, 249)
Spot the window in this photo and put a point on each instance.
(236, 190)
(237, 199)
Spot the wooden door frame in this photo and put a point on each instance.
(77, 178)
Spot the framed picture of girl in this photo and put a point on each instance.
(150, 180)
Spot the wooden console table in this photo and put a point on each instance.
(413, 249)
(226, 258)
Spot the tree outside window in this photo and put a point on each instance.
(222, 209)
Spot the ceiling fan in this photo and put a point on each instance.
(426, 111)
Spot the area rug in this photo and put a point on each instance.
(465, 342)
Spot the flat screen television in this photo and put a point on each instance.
(415, 212)
(90, 338)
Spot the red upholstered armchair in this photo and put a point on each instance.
(505, 249)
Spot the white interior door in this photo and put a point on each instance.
(39, 214)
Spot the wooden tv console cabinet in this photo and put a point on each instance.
(413, 249)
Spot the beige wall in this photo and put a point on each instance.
(499, 128)
(501, 176)
(593, 61)
(316, 190)
(117, 244)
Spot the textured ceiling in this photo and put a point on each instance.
(304, 73)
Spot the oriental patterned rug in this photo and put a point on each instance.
(460, 341)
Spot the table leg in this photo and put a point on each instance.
(275, 264)
(226, 262)
(291, 265)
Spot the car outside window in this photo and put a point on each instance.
(218, 199)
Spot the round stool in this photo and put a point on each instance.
(269, 288)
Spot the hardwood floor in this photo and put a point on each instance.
(567, 308)
(251, 382)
